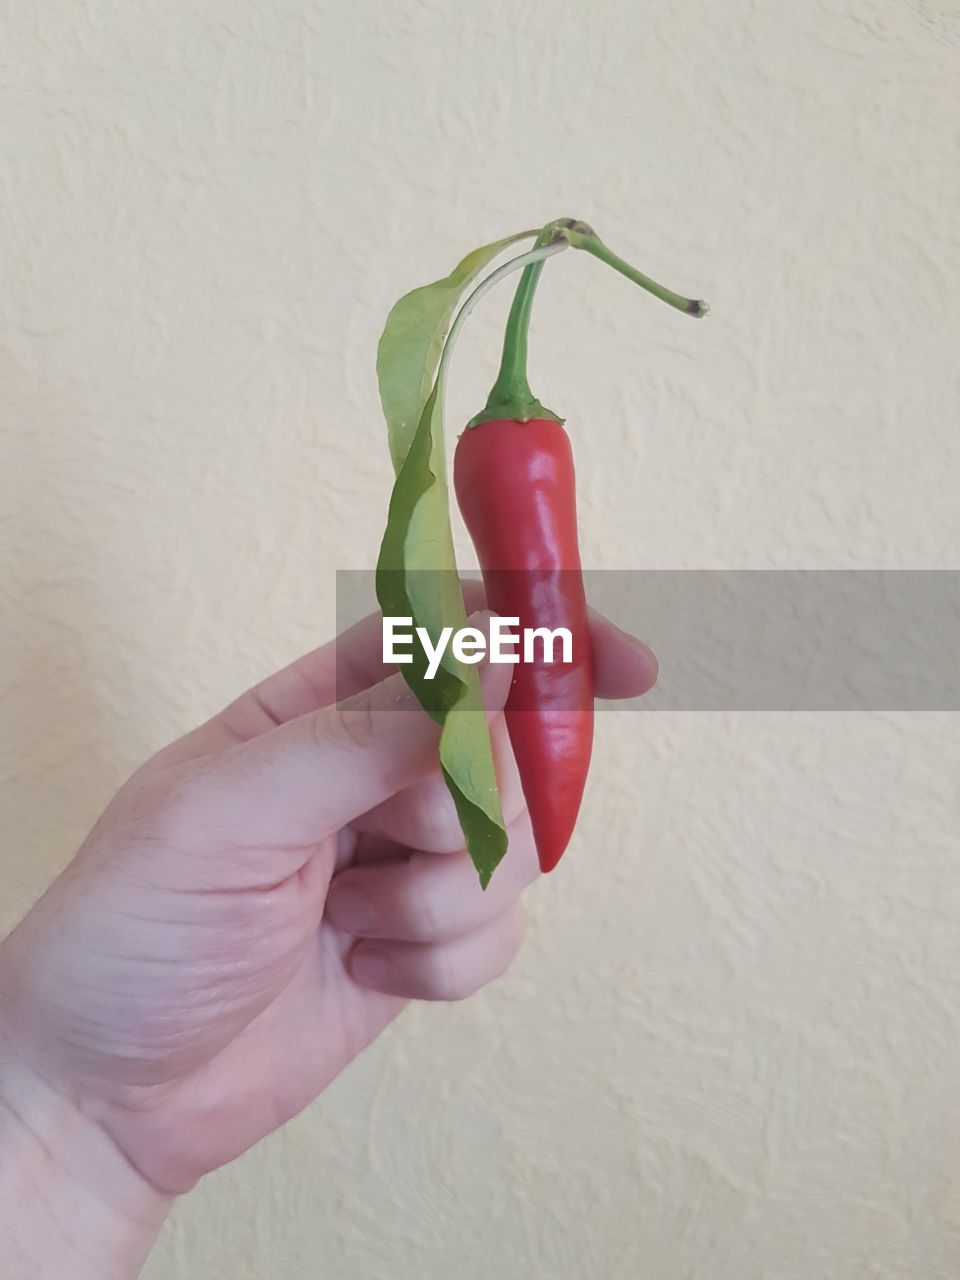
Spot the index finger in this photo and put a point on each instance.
(623, 668)
(296, 785)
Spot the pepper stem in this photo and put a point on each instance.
(510, 397)
(534, 257)
(580, 236)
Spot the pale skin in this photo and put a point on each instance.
(253, 908)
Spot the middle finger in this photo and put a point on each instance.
(430, 897)
(424, 816)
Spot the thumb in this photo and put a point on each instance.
(304, 780)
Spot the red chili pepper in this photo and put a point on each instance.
(515, 485)
(514, 479)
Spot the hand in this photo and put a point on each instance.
(258, 902)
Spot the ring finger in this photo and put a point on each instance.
(441, 971)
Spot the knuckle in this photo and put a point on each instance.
(422, 908)
(519, 924)
(436, 824)
(351, 723)
(513, 932)
(176, 808)
(447, 978)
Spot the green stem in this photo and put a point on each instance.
(580, 236)
(510, 397)
(532, 260)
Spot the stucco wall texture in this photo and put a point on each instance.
(731, 1047)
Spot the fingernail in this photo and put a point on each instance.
(480, 619)
(637, 643)
(371, 968)
(648, 652)
(350, 910)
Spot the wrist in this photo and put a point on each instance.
(71, 1203)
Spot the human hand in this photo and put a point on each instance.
(258, 902)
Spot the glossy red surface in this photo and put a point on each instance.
(515, 486)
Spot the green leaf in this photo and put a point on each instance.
(412, 341)
(417, 578)
(417, 570)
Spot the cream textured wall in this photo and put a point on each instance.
(731, 1049)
